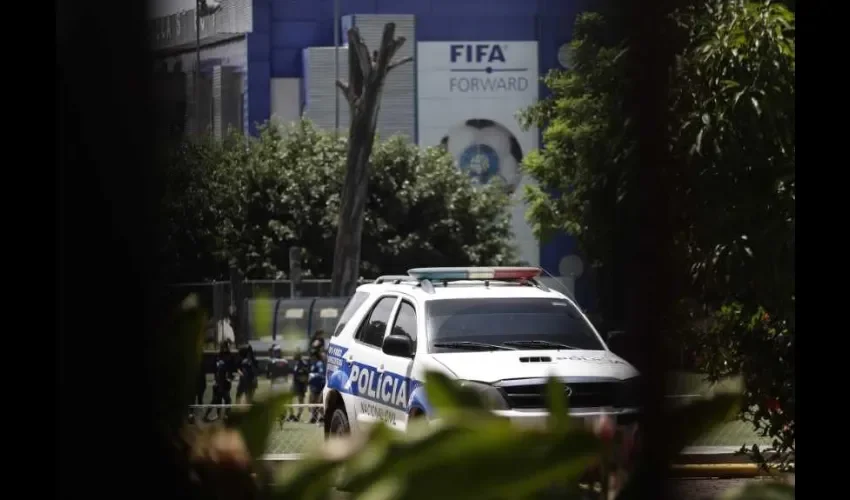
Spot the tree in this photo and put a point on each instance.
(193, 210)
(246, 201)
(366, 75)
(588, 157)
(735, 99)
(732, 134)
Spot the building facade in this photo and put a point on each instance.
(475, 64)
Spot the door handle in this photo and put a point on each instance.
(349, 358)
(380, 369)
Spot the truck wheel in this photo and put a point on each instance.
(339, 425)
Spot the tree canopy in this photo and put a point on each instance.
(732, 135)
(246, 201)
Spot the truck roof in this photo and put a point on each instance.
(464, 290)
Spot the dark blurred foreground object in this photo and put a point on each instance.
(108, 238)
(650, 56)
(624, 345)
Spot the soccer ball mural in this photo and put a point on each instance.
(487, 151)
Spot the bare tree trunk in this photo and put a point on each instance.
(366, 75)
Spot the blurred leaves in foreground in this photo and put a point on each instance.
(732, 136)
(467, 452)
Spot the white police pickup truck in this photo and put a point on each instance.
(497, 330)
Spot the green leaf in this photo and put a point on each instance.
(263, 310)
(471, 452)
(447, 397)
(401, 456)
(761, 491)
(484, 463)
(557, 403)
(698, 144)
(308, 479)
(256, 423)
(756, 105)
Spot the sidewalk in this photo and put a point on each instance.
(716, 461)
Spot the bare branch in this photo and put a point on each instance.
(396, 44)
(389, 45)
(346, 91)
(398, 63)
(361, 53)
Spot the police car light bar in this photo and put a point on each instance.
(474, 273)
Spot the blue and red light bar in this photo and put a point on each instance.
(474, 273)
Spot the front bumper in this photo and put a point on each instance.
(624, 417)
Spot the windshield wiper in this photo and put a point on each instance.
(464, 344)
(539, 343)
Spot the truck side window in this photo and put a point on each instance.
(372, 330)
(351, 307)
(405, 322)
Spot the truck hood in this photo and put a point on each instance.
(493, 366)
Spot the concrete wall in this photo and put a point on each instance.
(285, 100)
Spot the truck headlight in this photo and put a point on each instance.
(493, 397)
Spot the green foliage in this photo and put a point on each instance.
(256, 424)
(732, 134)
(730, 340)
(192, 212)
(736, 99)
(582, 109)
(247, 200)
(468, 452)
(589, 154)
(472, 453)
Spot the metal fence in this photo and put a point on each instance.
(219, 299)
(294, 434)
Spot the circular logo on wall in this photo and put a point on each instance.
(486, 151)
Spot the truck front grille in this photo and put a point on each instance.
(584, 395)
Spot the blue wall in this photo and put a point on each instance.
(282, 28)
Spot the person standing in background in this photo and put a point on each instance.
(276, 368)
(223, 377)
(247, 375)
(256, 366)
(200, 390)
(317, 343)
(300, 378)
(317, 383)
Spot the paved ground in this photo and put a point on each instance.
(290, 437)
(707, 489)
(301, 437)
(729, 434)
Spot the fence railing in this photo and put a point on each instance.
(219, 300)
(299, 429)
